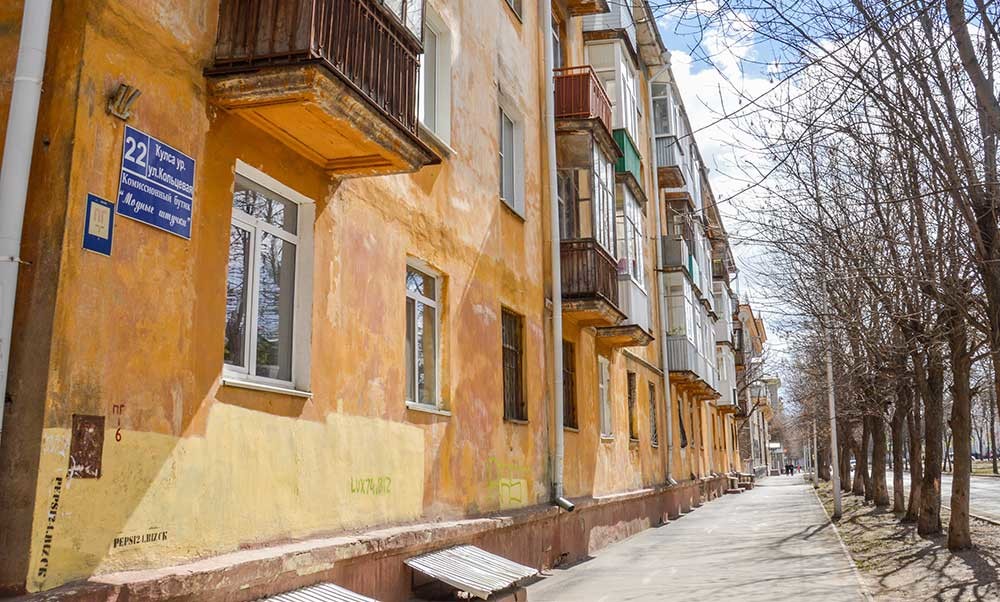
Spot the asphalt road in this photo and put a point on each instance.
(984, 494)
(770, 544)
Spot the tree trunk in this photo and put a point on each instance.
(916, 466)
(880, 492)
(929, 522)
(824, 464)
(993, 436)
(845, 459)
(863, 463)
(899, 413)
(959, 537)
(858, 484)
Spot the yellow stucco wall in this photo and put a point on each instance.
(199, 468)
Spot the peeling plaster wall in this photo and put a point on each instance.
(193, 468)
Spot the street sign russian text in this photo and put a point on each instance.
(157, 184)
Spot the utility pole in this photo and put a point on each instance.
(834, 452)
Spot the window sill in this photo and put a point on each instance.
(436, 141)
(571, 429)
(515, 421)
(607, 438)
(427, 409)
(255, 386)
(513, 210)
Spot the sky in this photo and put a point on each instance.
(716, 67)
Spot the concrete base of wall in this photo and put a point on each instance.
(372, 563)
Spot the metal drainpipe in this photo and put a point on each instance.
(660, 276)
(557, 351)
(18, 145)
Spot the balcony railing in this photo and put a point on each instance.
(359, 40)
(631, 161)
(681, 355)
(588, 271)
(667, 152)
(580, 95)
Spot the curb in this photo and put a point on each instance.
(854, 565)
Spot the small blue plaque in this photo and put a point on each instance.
(99, 225)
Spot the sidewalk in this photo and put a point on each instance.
(772, 543)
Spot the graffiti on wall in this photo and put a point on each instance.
(153, 535)
(50, 526)
(506, 480)
(375, 486)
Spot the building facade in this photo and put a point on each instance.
(757, 390)
(287, 279)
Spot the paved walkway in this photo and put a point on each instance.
(772, 543)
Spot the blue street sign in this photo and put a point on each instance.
(99, 225)
(157, 184)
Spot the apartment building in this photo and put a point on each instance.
(287, 286)
(757, 390)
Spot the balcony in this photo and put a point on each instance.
(669, 173)
(630, 161)
(589, 283)
(579, 8)
(689, 369)
(582, 105)
(676, 253)
(635, 330)
(335, 80)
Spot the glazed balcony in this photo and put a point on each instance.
(335, 80)
(589, 283)
(582, 105)
(634, 331)
(630, 163)
(689, 368)
(668, 163)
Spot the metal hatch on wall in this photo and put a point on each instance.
(323, 592)
(471, 570)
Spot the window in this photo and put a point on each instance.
(409, 13)
(423, 293)
(511, 166)
(604, 395)
(515, 5)
(629, 104)
(633, 418)
(680, 420)
(613, 67)
(514, 406)
(569, 386)
(604, 205)
(434, 82)
(630, 238)
(268, 282)
(654, 434)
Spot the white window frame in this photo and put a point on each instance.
(604, 397)
(442, 80)
(633, 242)
(302, 294)
(437, 304)
(505, 109)
(625, 95)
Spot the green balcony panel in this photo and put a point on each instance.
(630, 161)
